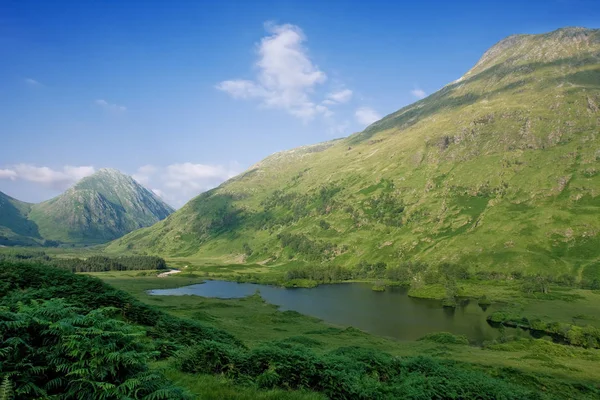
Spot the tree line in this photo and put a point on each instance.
(89, 264)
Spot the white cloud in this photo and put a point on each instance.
(178, 183)
(366, 115)
(110, 106)
(8, 174)
(57, 179)
(188, 174)
(159, 193)
(341, 96)
(241, 89)
(286, 76)
(143, 174)
(418, 93)
(32, 82)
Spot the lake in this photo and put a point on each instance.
(391, 313)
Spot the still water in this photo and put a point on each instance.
(391, 313)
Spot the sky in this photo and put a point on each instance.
(183, 95)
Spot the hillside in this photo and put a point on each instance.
(498, 170)
(99, 208)
(15, 228)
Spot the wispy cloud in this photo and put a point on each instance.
(32, 82)
(366, 115)
(178, 183)
(286, 76)
(418, 93)
(58, 179)
(341, 96)
(110, 106)
(8, 174)
(159, 193)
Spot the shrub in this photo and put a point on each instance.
(445, 338)
(51, 349)
(210, 357)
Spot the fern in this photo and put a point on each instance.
(6, 389)
(54, 351)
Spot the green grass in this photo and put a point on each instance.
(255, 322)
(212, 387)
(497, 172)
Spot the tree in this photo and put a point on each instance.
(536, 283)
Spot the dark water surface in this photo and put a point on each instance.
(391, 313)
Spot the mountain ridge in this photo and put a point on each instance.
(498, 170)
(97, 209)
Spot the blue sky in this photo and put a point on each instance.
(185, 94)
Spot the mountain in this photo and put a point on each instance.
(15, 228)
(499, 170)
(99, 208)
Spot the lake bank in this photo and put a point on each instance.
(254, 321)
(391, 313)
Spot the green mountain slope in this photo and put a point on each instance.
(15, 228)
(99, 208)
(497, 170)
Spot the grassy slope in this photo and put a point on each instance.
(254, 322)
(15, 228)
(499, 170)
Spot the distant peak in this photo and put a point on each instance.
(110, 171)
(102, 175)
(544, 47)
(573, 29)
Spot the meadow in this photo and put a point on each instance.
(245, 348)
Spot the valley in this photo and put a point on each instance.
(497, 172)
(450, 250)
(255, 322)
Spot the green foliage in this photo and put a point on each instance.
(584, 336)
(258, 323)
(312, 250)
(285, 207)
(325, 274)
(26, 282)
(484, 301)
(52, 349)
(15, 228)
(210, 357)
(90, 264)
(102, 263)
(368, 270)
(385, 209)
(537, 283)
(6, 389)
(445, 338)
(378, 287)
(350, 372)
(591, 276)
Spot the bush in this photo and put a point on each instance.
(350, 372)
(51, 350)
(22, 282)
(445, 338)
(210, 357)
